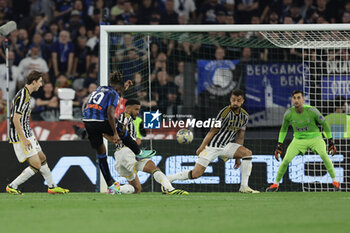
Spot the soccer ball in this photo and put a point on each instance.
(184, 136)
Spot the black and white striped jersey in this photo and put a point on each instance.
(127, 120)
(231, 124)
(20, 105)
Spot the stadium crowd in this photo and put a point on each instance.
(61, 39)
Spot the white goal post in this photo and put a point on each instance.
(311, 39)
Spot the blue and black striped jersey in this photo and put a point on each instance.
(98, 103)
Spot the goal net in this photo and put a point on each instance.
(187, 73)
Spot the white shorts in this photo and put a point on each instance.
(23, 154)
(211, 153)
(126, 164)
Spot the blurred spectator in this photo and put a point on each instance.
(307, 10)
(132, 62)
(91, 75)
(16, 81)
(73, 24)
(37, 41)
(160, 65)
(92, 87)
(154, 51)
(246, 9)
(219, 54)
(221, 17)
(117, 9)
(326, 13)
(34, 62)
(179, 78)
(346, 17)
(3, 104)
(80, 97)
(230, 19)
(145, 11)
(186, 8)
(81, 57)
(47, 99)
(6, 10)
(294, 13)
(93, 41)
(46, 47)
(229, 5)
(283, 9)
(93, 20)
(273, 18)
(127, 44)
(128, 13)
(63, 54)
(97, 4)
(173, 106)
(209, 12)
(62, 81)
(54, 29)
(16, 47)
(267, 7)
(160, 89)
(169, 16)
(23, 39)
(62, 11)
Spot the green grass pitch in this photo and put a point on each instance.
(287, 212)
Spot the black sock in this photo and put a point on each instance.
(131, 143)
(102, 162)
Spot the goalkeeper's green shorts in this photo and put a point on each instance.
(300, 146)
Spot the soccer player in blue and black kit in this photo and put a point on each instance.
(98, 118)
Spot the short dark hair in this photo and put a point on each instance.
(237, 92)
(297, 92)
(116, 78)
(34, 76)
(132, 102)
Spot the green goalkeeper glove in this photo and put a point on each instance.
(278, 151)
(331, 147)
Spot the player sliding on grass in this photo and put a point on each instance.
(127, 164)
(24, 142)
(98, 118)
(304, 119)
(219, 143)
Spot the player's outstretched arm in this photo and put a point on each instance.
(207, 139)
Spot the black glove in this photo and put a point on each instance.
(278, 151)
(331, 147)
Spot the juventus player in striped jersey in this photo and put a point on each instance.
(127, 164)
(24, 142)
(225, 142)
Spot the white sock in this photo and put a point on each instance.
(184, 175)
(25, 175)
(46, 173)
(335, 179)
(127, 189)
(246, 169)
(163, 180)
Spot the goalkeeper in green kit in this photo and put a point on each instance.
(303, 119)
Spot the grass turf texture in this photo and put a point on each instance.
(197, 212)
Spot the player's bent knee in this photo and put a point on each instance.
(247, 153)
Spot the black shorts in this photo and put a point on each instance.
(95, 129)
